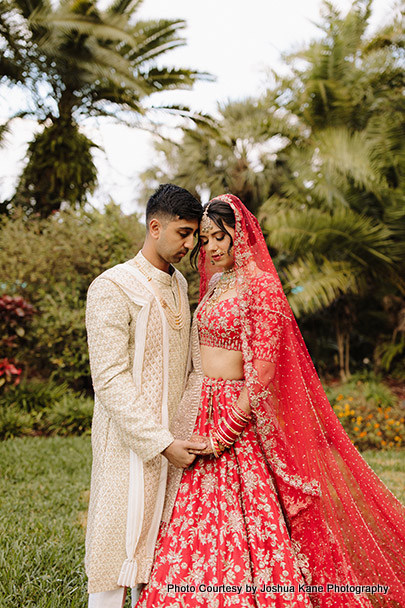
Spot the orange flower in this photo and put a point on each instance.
(356, 428)
(379, 433)
(363, 434)
(376, 425)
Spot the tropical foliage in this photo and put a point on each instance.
(323, 151)
(76, 61)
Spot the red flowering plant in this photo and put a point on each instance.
(15, 313)
(9, 372)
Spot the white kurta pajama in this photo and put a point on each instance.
(138, 364)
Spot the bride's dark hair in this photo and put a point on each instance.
(220, 213)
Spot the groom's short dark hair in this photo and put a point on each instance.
(172, 201)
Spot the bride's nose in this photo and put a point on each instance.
(211, 245)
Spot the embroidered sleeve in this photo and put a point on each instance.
(108, 325)
(269, 315)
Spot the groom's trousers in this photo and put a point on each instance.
(114, 599)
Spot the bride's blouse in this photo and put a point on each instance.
(219, 324)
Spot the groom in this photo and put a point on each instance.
(138, 323)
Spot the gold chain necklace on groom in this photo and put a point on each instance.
(174, 318)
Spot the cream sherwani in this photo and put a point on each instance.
(138, 365)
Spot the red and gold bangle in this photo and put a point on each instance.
(217, 447)
(228, 429)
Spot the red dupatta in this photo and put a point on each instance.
(346, 527)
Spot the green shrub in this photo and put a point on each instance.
(54, 262)
(44, 408)
(369, 412)
(33, 396)
(71, 416)
(14, 422)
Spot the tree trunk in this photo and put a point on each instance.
(343, 346)
(340, 342)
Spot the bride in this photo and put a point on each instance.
(281, 511)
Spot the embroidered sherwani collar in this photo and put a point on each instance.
(155, 273)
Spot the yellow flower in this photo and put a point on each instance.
(352, 412)
(359, 418)
(383, 442)
(340, 415)
(396, 438)
(339, 398)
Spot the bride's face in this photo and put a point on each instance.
(217, 246)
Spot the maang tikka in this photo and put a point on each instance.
(205, 221)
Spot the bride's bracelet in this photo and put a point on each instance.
(228, 429)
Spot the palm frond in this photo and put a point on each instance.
(315, 285)
(343, 233)
(120, 7)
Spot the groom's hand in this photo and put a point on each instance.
(178, 452)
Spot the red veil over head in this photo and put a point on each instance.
(346, 527)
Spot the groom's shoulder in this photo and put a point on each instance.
(110, 273)
(114, 277)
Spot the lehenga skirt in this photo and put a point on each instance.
(227, 543)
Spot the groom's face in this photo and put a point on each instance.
(174, 238)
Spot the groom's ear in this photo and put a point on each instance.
(155, 228)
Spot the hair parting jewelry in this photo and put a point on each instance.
(205, 221)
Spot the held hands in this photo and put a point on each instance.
(201, 439)
(182, 453)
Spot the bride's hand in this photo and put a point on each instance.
(201, 439)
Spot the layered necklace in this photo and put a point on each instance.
(226, 282)
(175, 319)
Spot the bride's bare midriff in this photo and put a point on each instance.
(222, 363)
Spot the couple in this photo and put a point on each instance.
(246, 491)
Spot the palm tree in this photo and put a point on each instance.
(76, 61)
(339, 220)
(235, 152)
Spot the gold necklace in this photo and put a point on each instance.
(175, 319)
(227, 281)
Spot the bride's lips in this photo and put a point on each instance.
(216, 257)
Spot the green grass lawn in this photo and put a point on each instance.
(44, 489)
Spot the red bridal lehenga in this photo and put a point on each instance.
(290, 516)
